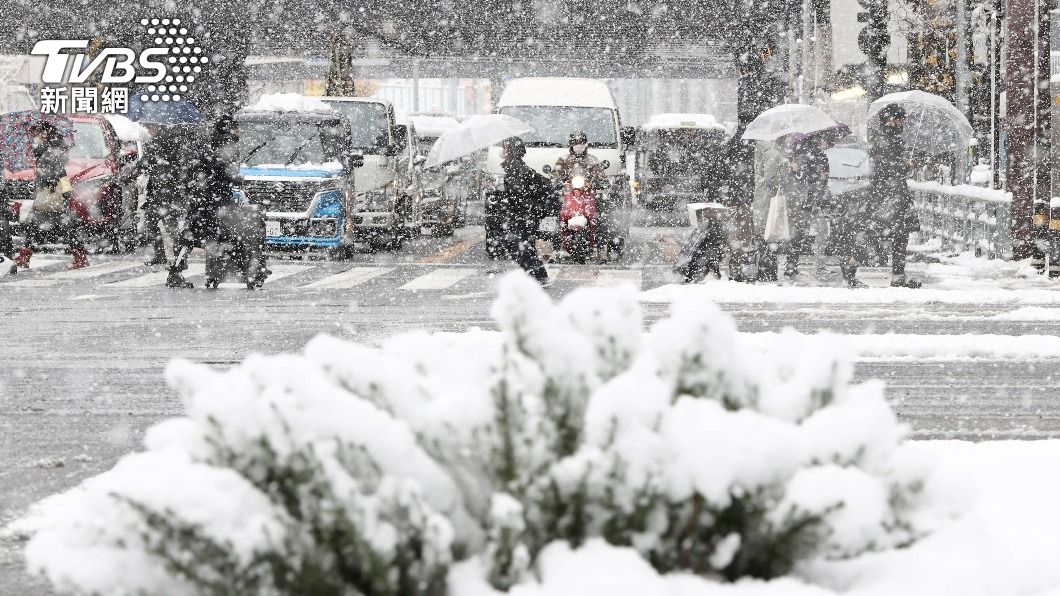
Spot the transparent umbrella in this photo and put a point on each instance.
(477, 132)
(786, 119)
(932, 124)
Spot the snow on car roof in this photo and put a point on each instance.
(433, 126)
(333, 98)
(676, 120)
(557, 91)
(289, 102)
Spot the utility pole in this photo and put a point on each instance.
(805, 81)
(1043, 104)
(1020, 16)
(873, 40)
(340, 81)
(962, 75)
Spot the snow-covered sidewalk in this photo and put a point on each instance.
(963, 279)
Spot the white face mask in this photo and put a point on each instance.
(580, 148)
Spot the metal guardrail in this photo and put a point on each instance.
(965, 218)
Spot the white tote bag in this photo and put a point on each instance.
(777, 229)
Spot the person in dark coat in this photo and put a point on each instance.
(527, 198)
(166, 161)
(49, 175)
(212, 177)
(7, 242)
(895, 216)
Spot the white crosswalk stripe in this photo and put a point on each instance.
(350, 278)
(282, 271)
(157, 278)
(439, 279)
(78, 274)
(615, 277)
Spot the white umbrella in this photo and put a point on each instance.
(932, 124)
(475, 133)
(786, 119)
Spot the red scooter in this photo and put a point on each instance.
(577, 215)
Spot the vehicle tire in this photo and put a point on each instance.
(212, 283)
(340, 253)
(392, 239)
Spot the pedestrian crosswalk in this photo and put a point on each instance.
(404, 278)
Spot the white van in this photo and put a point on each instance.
(556, 107)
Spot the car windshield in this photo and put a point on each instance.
(553, 124)
(368, 122)
(89, 142)
(282, 142)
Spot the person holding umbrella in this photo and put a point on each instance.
(525, 192)
(895, 216)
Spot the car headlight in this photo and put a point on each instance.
(577, 182)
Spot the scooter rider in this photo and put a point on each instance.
(579, 156)
(213, 176)
(527, 196)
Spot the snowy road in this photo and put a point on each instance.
(85, 351)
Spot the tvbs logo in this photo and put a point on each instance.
(116, 65)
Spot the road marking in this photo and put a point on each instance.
(439, 279)
(448, 253)
(157, 278)
(615, 277)
(282, 271)
(350, 278)
(85, 273)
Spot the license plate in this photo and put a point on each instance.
(272, 228)
(549, 224)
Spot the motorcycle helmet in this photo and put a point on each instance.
(578, 142)
(514, 147)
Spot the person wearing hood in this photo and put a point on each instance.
(527, 197)
(51, 206)
(166, 160)
(212, 176)
(896, 216)
(579, 156)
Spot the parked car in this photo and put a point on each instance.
(447, 187)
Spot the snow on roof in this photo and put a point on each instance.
(557, 91)
(127, 130)
(675, 120)
(433, 126)
(329, 99)
(289, 102)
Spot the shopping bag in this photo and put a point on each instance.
(777, 229)
(49, 201)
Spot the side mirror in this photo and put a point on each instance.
(547, 169)
(401, 137)
(605, 164)
(629, 136)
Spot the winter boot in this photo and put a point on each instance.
(22, 259)
(791, 266)
(176, 280)
(80, 259)
(900, 281)
(12, 268)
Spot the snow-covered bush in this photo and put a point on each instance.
(356, 470)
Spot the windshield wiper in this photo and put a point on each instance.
(297, 149)
(244, 159)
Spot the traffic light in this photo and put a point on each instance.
(874, 40)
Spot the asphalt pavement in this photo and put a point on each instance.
(84, 352)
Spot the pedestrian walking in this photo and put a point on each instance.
(53, 211)
(7, 241)
(527, 197)
(167, 158)
(895, 217)
(212, 176)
